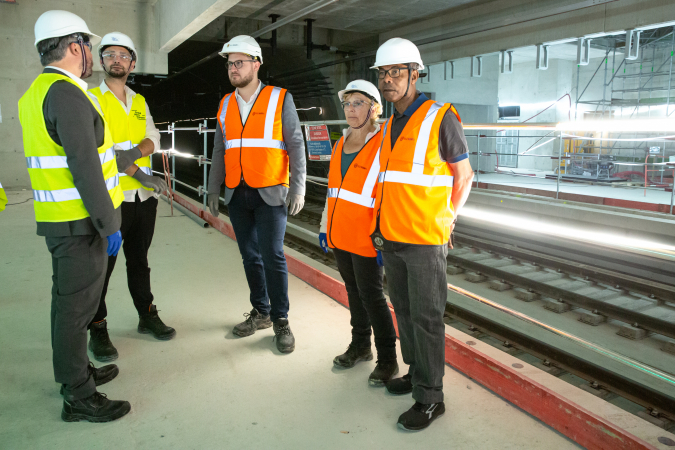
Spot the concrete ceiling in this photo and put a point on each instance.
(372, 16)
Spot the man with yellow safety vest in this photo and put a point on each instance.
(133, 132)
(257, 137)
(3, 198)
(425, 178)
(74, 176)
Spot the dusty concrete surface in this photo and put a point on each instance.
(207, 389)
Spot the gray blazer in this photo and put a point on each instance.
(295, 146)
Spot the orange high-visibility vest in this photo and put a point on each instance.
(351, 199)
(255, 151)
(414, 187)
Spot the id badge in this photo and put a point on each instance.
(378, 240)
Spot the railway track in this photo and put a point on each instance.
(594, 282)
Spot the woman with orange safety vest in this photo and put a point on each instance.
(352, 178)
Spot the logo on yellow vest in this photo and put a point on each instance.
(139, 115)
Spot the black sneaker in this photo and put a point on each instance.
(99, 342)
(254, 321)
(96, 408)
(353, 355)
(284, 336)
(101, 375)
(383, 372)
(400, 386)
(151, 323)
(420, 416)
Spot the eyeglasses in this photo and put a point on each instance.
(239, 64)
(356, 104)
(88, 44)
(112, 56)
(393, 73)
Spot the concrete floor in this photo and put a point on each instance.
(207, 389)
(636, 194)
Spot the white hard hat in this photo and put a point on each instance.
(242, 44)
(57, 23)
(363, 86)
(397, 51)
(118, 39)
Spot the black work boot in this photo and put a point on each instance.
(353, 355)
(420, 416)
(254, 321)
(96, 408)
(151, 323)
(383, 372)
(400, 386)
(101, 375)
(99, 342)
(284, 336)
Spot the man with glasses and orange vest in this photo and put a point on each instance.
(425, 178)
(136, 137)
(257, 138)
(76, 192)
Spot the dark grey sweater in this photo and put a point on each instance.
(73, 123)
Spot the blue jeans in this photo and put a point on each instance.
(260, 230)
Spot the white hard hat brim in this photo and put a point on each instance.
(342, 93)
(390, 63)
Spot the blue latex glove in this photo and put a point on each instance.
(114, 243)
(323, 242)
(379, 259)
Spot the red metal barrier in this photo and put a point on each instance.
(570, 419)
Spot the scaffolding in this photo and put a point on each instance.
(633, 86)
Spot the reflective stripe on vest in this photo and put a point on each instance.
(351, 198)
(415, 186)
(128, 130)
(255, 151)
(56, 197)
(64, 195)
(61, 162)
(365, 197)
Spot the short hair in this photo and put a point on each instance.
(54, 49)
(378, 108)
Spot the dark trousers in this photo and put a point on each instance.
(79, 266)
(367, 304)
(138, 228)
(260, 230)
(418, 289)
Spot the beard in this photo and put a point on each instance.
(117, 72)
(242, 81)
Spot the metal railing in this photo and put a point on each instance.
(485, 154)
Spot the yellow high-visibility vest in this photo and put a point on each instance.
(56, 197)
(3, 198)
(127, 130)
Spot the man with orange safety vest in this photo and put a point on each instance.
(134, 133)
(74, 175)
(425, 178)
(257, 137)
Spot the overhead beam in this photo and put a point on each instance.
(179, 20)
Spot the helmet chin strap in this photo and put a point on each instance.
(365, 121)
(84, 55)
(409, 79)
